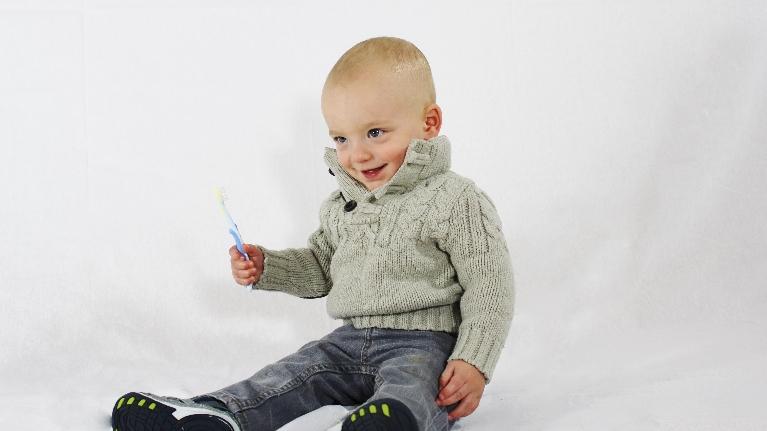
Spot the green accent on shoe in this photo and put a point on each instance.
(141, 403)
(120, 403)
(152, 406)
(381, 414)
(130, 400)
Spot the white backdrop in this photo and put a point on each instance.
(624, 144)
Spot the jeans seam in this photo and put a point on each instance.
(302, 377)
(366, 345)
(436, 415)
(229, 400)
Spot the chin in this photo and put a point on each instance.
(374, 187)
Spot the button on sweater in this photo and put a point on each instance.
(425, 251)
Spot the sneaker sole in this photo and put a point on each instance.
(137, 411)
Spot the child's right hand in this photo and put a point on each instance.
(247, 272)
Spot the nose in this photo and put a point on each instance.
(360, 153)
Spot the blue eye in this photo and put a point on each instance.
(339, 139)
(374, 133)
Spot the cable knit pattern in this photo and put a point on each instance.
(425, 251)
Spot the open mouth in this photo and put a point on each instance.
(372, 173)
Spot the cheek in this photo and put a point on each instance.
(396, 156)
(343, 158)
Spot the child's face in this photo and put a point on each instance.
(372, 122)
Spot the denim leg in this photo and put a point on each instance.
(409, 365)
(323, 372)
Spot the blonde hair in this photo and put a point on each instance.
(394, 56)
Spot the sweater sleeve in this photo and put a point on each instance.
(479, 254)
(302, 272)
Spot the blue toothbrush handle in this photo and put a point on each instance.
(238, 243)
(240, 248)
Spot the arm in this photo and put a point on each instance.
(303, 272)
(482, 264)
(481, 260)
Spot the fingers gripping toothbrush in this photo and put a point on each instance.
(221, 196)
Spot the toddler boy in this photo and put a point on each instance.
(410, 255)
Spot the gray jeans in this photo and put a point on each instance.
(348, 367)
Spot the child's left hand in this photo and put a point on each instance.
(462, 382)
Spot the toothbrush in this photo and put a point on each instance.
(221, 197)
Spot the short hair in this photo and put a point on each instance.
(395, 55)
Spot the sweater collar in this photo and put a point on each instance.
(423, 159)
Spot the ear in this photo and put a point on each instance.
(432, 121)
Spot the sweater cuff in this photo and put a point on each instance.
(480, 346)
(275, 274)
(290, 271)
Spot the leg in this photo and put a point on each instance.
(323, 372)
(409, 365)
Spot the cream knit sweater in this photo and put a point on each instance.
(425, 251)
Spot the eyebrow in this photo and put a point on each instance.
(369, 124)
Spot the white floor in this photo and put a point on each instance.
(683, 378)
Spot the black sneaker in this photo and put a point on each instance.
(139, 411)
(386, 414)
